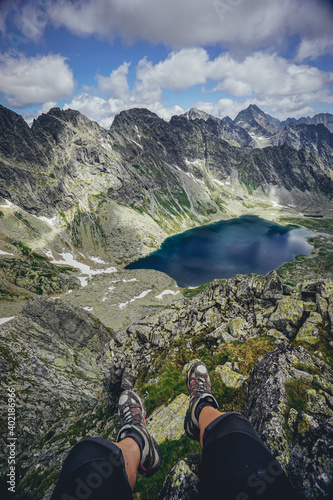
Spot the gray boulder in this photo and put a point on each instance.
(280, 407)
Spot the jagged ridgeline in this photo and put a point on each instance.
(74, 195)
(161, 177)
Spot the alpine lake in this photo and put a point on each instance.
(243, 245)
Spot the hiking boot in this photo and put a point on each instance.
(132, 415)
(199, 387)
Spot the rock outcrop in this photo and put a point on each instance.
(176, 172)
(49, 355)
(68, 371)
(299, 438)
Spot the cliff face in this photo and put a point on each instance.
(267, 347)
(76, 195)
(167, 170)
(117, 194)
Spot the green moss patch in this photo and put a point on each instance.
(297, 397)
(169, 385)
(323, 349)
(172, 451)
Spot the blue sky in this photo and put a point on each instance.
(103, 56)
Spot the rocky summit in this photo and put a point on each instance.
(77, 204)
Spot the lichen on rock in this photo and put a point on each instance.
(268, 409)
(167, 421)
(229, 377)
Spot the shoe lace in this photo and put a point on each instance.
(198, 385)
(130, 413)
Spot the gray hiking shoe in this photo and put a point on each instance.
(199, 387)
(132, 415)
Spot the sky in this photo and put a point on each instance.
(103, 56)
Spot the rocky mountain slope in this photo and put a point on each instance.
(70, 187)
(78, 203)
(268, 347)
(324, 118)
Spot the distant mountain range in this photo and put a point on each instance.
(163, 176)
(257, 124)
(78, 203)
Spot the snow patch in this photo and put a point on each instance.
(5, 253)
(89, 309)
(141, 296)
(107, 293)
(276, 205)
(68, 259)
(166, 292)
(195, 179)
(195, 162)
(97, 259)
(4, 320)
(218, 182)
(137, 143)
(137, 132)
(9, 204)
(49, 222)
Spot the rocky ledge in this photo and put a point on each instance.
(268, 347)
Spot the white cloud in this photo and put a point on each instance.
(5, 7)
(259, 75)
(266, 74)
(240, 24)
(179, 71)
(311, 49)
(273, 83)
(115, 84)
(103, 111)
(28, 81)
(32, 20)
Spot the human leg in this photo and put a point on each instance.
(97, 469)
(93, 470)
(132, 455)
(235, 463)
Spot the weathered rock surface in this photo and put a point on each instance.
(299, 440)
(230, 310)
(165, 170)
(167, 421)
(183, 481)
(49, 354)
(34, 275)
(72, 364)
(229, 377)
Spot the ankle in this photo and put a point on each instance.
(202, 404)
(207, 416)
(138, 439)
(131, 453)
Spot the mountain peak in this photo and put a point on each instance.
(255, 122)
(254, 107)
(197, 114)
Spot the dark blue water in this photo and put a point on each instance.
(243, 245)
